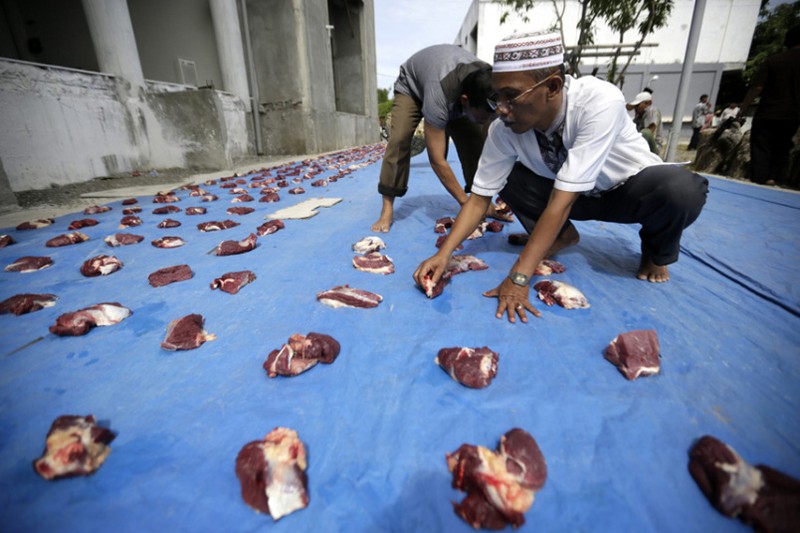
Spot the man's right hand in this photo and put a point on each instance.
(433, 268)
(492, 212)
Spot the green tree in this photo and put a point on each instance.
(621, 16)
(384, 103)
(769, 34)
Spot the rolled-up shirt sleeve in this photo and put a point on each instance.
(497, 160)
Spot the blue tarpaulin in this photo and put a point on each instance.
(378, 422)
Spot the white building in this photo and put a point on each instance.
(726, 32)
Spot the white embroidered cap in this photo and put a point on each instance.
(528, 51)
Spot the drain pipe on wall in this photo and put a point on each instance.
(251, 70)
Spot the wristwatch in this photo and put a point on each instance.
(518, 278)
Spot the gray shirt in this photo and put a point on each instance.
(434, 76)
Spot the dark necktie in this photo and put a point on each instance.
(553, 151)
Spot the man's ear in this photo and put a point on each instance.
(554, 86)
(464, 101)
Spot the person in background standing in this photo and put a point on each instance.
(698, 120)
(778, 114)
(648, 120)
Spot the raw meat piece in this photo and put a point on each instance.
(132, 210)
(75, 446)
(374, 262)
(196, 210)
(210, 182)
(272, 473)
(240, 210)
(209, 198)
(29, 264)
(518, 239)
(548, 266)
(217, 226)
(443, 224)
(166, 210)
(169, 223)
(100, 265)
(565, 295)
(442, 238)
(286, 362)
(282, 183)
(130, 220)
(66, 239)
(168, 242)
(368, 245)
(165, 198)
(432, 290)
(635, 353)
(472, 367)
(6, 240)
(35, 224)
(81, 321)
(270, 197)
(319, 183)
(231, 185)
(130, 201)
(270, 226)
(82, 223)
(198, 192)
(167, 275)
(315, 346)
(236, 247)
(122, 239)
(344, 296)
(237, 190)
(96, 209)
(456, 265)
(242, 198)
(500, 485)
(297, 190)
(495, 226)
(231, 282)
(763, 497)
(21, 304)
(186, 333)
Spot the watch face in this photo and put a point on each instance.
(519, 279)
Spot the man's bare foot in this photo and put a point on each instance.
(382, 225)
(568, 237)
(652, 272)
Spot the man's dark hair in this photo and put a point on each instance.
(477, 86)
(703, 96)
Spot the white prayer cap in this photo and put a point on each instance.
(643, 96)
(528, 51)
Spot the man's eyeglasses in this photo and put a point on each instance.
(496, 101)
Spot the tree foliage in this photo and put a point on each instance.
(384, 103)
(770, 33)
(622, 16)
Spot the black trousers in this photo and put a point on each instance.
(770, 144)
(664, 199)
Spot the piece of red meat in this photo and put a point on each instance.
(232, 282)
(169, 223)
(67, 239)
(368, 245)
(443, 224)
(345, 296)
(35, 224)
(374, 262)
(236, 247)
(760, 496)
(506, 480)
(456, 265)
(130, 220)
(165, 198)
(217, 226)
(166, 210)
(269, 227)
(100, 265)
(442, 238)
(29, 264)
(168, 242)
(272, 473)
(186, 333)
(195, 210)
(270, 197)
(495, 226)
(242, 198)
(6, 240)
(286, 362)
(319, 183)
(21, 304)
(472, 367)
(297, 190)
(132, 210)
(75, 446)
(315, 346)
(82, 223)
(130, 201)
(635, 353)
(171, 274)
(209, 198)
(549, 266)
(565, 295)
(240, 210)
(123, 239)
(80, 322)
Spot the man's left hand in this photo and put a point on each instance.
(512, 299)
(492, 212)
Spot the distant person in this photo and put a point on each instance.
(732, 111)
(565, 149)
(647, 118)
(777, 116)
(698, 120)
(448, 87)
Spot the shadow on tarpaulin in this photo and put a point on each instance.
(378, 422)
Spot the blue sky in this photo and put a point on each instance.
(406, 26)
